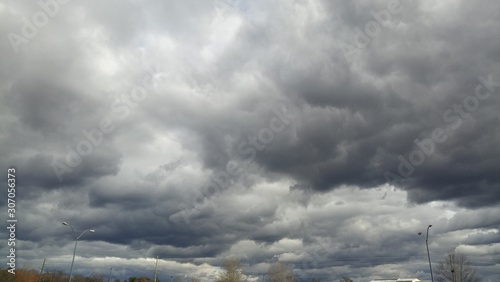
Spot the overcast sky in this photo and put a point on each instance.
(323, 134)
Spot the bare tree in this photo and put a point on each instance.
(95, 277)
(232, 271)
(280, 272)
(456, 268)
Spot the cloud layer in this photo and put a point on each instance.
(325, 135)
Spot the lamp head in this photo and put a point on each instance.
(430, 225)
(65, 223)
(92, 230)
(419, 233)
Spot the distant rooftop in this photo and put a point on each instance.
(397, 280)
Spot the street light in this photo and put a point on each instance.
(74, 250)
(427, 245)
(109, 276)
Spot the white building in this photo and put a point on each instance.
(397, 280)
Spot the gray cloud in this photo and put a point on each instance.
(327, 133)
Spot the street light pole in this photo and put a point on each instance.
(156, 269)
(428, 254)
(74, 250)
(109, 276)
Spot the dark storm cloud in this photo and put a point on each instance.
(319, 109)
(484, 238)
(353, 131)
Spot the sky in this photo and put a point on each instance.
(322, 134)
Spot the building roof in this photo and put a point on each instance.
(397, 280)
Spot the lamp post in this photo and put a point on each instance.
(427, 245)
(109, 276)
(156, 269)
(74, 250)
